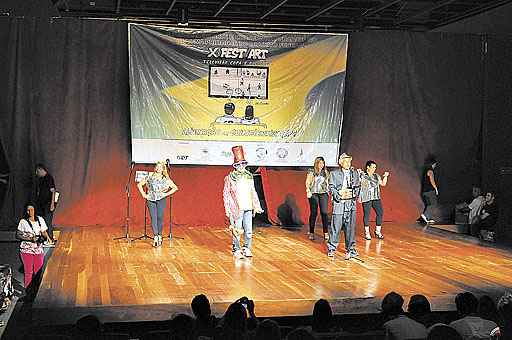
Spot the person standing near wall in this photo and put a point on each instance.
(317, 192)
(429, 192)
(45, 196)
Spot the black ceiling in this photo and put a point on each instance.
(323, 15)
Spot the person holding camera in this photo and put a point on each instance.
(239, 321)
(32, 233)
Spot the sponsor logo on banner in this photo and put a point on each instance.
(261, 153)
(182, 157)
(281, 153)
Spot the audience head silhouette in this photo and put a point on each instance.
(322, 316)
(418, 305)
(443, 332)
(268, 330)
(89, 324)
(236, 317)
(392, 304)
(182, 326)
(487, 308)
(201, 307)
(466, 304)
(300, 334)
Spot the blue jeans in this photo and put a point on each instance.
(347, 223)
(156, 211)
(243, 222)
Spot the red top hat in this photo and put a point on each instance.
(238, 153)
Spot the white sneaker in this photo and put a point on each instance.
(238, 255)
(247, 252)
(326, 236)
(311, 236)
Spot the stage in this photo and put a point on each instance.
(89, 273)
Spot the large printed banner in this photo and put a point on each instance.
(197, 93)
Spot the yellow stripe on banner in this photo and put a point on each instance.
(292, 75)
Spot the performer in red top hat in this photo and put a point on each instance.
(241, 203)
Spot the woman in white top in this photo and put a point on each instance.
(159, 186)
(32, 233)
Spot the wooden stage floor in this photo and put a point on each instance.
(120, 281)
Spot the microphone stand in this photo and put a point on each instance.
(127, 190)
(145, 236)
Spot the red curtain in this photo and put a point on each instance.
(198, 201)
(285, 195)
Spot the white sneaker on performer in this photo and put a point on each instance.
(247, 252)
(311, 236)
(326, 236)
(238, 255)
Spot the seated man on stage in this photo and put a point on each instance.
(241, 203)
(473, 208)
(484, 224)
(344, 186)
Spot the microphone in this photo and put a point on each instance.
(132, 165)
(168, 162)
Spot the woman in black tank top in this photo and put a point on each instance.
(429, 193)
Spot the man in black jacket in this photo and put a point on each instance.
(45, 196)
